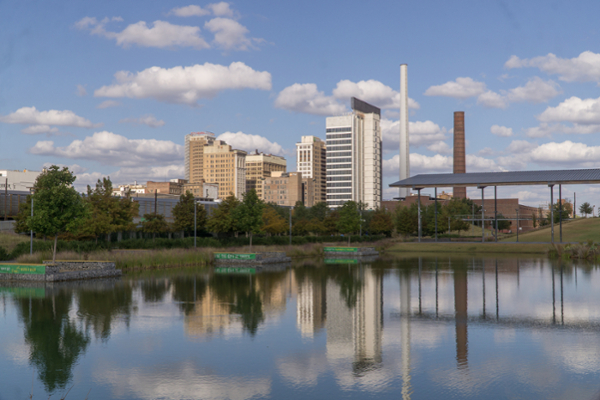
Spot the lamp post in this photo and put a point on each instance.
(517, 225)
(195, 219)
(291, 209)
(31, 231)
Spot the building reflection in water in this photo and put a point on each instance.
(405, 311)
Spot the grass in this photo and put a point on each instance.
(579, 230)
(10, 240)
(143, 259)
(470, 248)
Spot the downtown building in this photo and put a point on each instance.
(354, 162)
(311, 162)
(260, 166)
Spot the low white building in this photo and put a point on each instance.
(17, 179)
(123, 190)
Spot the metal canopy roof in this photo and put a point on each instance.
(510, 178)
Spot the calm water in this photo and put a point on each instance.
(410, 328)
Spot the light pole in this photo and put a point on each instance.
(195, 219)
(517, 225)
(31, 232)
(291, 209)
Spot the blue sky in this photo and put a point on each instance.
(112, 88)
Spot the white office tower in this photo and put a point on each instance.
(354, 156)
(404, 149)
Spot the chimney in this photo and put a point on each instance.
(459, 152)
(404, 150)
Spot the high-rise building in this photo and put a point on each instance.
(283, 188)
(311, 161)
(354, 156)
(225, 166)
(194, 155)
(259, 166)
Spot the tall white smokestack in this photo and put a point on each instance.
(404, 150)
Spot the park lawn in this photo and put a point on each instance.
(470, 248)
(10, 240)
(579, 230)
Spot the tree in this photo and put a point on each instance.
(248, 214)
(222, 219)
(273, 223)
(183, 213)
(154, 223)
(108, 213)
(58, 208)
(502, 222)
(381, 222)
(349, 221)
(586, 209)
(22, 217)
(406, 219)
(319, 211)
(567, 210)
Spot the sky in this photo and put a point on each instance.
(111, 88)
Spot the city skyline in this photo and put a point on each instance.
(83, 86)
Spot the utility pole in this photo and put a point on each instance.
(517, 225)
(5, 199)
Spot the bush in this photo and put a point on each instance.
(4, 255)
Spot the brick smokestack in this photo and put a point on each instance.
(459, 152)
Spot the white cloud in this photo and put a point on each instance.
(546, 129)
(74, 168)
(535, 90)
(502, 131)
(583, 68)
(244, 141)
(491, 99)
(520, 147)
(38, 129)
(149, 120)
(230, 34)
(185, 85)
(461, 88)
(108, 104)
(419, 164)
(221, 9)
(440, 148)
(162, 34)
(574, 109)
(481, 164)
(566, 154)
(420, 133)
(81, 91)
(111, 149)
(306, 98)
(31, 116)
(373, 92)
(189, 11)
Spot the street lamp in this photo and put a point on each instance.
(517, 225)
(31, 232)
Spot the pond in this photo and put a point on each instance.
(405, 327)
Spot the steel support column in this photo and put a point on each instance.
(496, 211)
(551, 186)
(560, 211)
(419, 211)
(436, 212)
(482, 214)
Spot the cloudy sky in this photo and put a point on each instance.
(112, 88)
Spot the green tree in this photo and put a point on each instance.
(183, 213)
(22, 217)
(319, 211)
(349, 221)
(502, 222)
(330, 222)
(222, 219)
(567, 210)
(585, 209)
(381, 222)
(154, 223)
(273, 223)
(248, 214)
(58, 208)
(406, 219)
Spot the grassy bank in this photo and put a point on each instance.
(10, 240)
(470, 248)
(579, 230)
(201, 256)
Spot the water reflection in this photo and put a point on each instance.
(418, 327)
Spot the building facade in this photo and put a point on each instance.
(226, 167)
(283, 188)
(203, 190)
(354, 156)
(194, 154)
(311, 162)
(18, 180)
(260, 166)
(173, 187)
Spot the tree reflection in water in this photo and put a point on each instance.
(55, 341)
